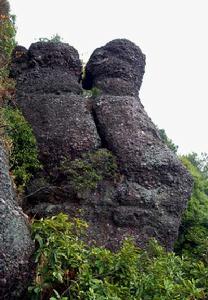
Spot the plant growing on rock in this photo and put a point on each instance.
(86, 172)
(24, 153)
(56, 38)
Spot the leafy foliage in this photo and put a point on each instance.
(24, 153)
(69, 269)
(200, 162)
(7, 34)
(88, 171)
(193, 234)
(168, 141)
(7, 43)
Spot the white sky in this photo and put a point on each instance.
(172, 33)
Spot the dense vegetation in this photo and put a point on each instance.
(15, 131)
(23, 149)
(68, 269)
(193, 232)
(7, 43)
(193, 235)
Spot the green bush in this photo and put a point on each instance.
(193, 233)
(69, 269)
(24, 154)
(86, 172)
(7, 44)
(7, 34)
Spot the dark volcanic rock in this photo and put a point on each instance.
(46, 67)
(48, 95)
(150, 191)
(62, 124)
(19, 61)
(130, 134)
(116, 69)
(16, 246)
(158, 186)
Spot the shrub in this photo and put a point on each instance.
(193, 232)
(69, 269)
(24, 154)
(86, 172)
(7, 34)
(59, 254)
(53, 39)
(7, 43)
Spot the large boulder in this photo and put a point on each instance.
(16, 246)
(48, 94)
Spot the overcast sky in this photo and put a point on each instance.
(172, 33)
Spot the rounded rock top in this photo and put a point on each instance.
(116, 68)
(46, 55)
(56, 54)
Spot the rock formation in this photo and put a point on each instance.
(148, 195)
(49, 95)
(15, 243)
(116, 69)
(153, 197)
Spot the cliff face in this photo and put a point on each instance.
(16, 246)
(149, 189)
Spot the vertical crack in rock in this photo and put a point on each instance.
(104, 143)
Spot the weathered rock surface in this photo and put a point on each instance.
(116, 69)
(16, 246)
(158, 185)
(48, 95)
(151, 191)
